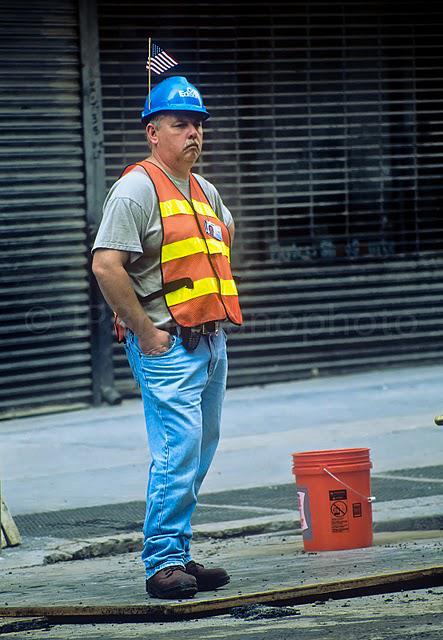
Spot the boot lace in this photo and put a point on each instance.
(170, 570)
(194, 565)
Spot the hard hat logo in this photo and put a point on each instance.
(174, 94)
(189, 93)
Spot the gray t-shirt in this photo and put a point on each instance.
(131, 222)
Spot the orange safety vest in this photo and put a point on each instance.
(198, 285)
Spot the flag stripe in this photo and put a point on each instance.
(159, 64)
(164, 58)
(170, 58)
(159, 67)
(160, 60)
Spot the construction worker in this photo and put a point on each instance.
(162, 260)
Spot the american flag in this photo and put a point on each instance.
(161, 61)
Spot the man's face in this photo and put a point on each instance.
(178, 138)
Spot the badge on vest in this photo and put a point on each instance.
(213, 230)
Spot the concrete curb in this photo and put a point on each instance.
(130, 542)
(249, 526)
(394, 515)
(96, 548)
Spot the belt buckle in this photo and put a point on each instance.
(205, 331)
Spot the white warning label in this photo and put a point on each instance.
(339, 519)
(301, 507)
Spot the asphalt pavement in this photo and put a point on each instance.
(75, 484)
(318, 595)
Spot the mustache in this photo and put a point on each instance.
(193, 144)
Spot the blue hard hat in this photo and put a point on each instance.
(174, 94)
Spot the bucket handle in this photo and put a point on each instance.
(368, 498)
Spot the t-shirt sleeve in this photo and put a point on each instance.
(215, 200)
(121, 227)
(225, 213)
(221, 209)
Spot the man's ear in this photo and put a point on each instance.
(151, 133)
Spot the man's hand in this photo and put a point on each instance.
(109, 269)
(154, 343)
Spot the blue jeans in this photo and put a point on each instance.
(182, 395)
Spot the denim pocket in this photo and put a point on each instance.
(130, 356)
(172, 343)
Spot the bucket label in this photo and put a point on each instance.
(338, 494)
(305, 512)
(339, 517)
(356, 509)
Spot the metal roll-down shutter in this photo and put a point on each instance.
(44, 330)
(325, 140)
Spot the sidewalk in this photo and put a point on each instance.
(99, 456)
(75, 481)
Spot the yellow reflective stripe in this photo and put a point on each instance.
(190, 246)
(174, 207)
(201, 288)
(228, 288)
(203, 209)
(183, 248)
(217, 246)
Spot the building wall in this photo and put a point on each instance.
(45, 329)
(325, 140)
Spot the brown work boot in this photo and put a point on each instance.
(172, 582)
(207, 579)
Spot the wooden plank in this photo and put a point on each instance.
(348, 588)
(3, 543)
(8, 527)
(10, 625)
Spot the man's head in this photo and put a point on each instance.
(175, 138)
(173, 117)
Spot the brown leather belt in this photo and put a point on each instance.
(204, 329)
(211, 327)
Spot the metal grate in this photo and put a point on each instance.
(44, 289)
(238, 504)
(326, 142)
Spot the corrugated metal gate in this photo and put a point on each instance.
(45, 330)
(326, 142)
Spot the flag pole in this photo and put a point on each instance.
(149, 73)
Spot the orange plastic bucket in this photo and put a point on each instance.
(334, 498)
